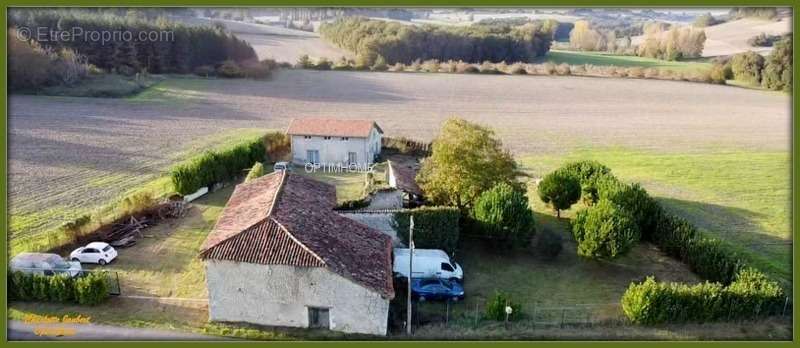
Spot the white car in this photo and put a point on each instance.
(282, 166)
(95, 252)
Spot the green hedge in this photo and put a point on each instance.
(604, 231)
(90, 289)
(732, 289)
(504, 215)
(710, 258)
(213, 167)
(751, 295)
(434, 227)
(587, 173)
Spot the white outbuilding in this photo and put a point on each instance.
(334, 142)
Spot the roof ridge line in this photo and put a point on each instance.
(292, 237)
(277, 193)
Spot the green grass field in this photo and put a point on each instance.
(105, 86)
(600, 58)
(742, 197)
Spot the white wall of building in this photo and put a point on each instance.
(335, 150)
(279, 295)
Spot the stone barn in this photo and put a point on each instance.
(280, 256)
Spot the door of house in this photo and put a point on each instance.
(312, 156)
(319, 318)
(352, 158)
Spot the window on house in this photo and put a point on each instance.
(345, 138)
(312, 156)
(352, 158)
(318, 318)
(327, 138)
(307, 137)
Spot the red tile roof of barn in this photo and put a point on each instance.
(332, 127)
(300, 229)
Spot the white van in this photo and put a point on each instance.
(428, 263)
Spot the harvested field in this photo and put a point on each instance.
(69, 154)
(731, 37)
(281, 44)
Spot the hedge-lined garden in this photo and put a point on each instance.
(90, 289)
(434, 227)
(618, 215)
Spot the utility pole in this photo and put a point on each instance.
(410, 272)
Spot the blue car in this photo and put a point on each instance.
(436, 289)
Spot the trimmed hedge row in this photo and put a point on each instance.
(87, 290)
(434, 227)
(213, 167)
(751, 295)
(710, 258)
(732, 290)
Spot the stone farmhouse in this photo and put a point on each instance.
(280, 256)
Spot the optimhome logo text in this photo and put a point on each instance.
(339, 168)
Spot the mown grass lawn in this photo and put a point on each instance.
(570, 285)
(349, 185)
(739, 196)
(600, 58)
(164, 263)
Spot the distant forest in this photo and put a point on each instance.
(400, 43)
(177, 48)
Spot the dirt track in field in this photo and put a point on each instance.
(82, 152)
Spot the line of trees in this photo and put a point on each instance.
(167, 47)
(773, 72)
(395, 42)
(671, 43)
(661, 41)
(31, 66)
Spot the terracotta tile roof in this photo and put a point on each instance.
(332, 127)
(249, 204)
(300, 229)
(405, 178)
(265, 242)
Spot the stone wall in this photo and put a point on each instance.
(279, 295)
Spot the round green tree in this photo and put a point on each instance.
(504, 215)
(560, 190)
(255, 172)
(604, 230)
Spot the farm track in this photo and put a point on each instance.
(78, 153)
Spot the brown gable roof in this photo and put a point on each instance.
(249, 204)
(301, 229)
(265, 242)
(332, 127)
